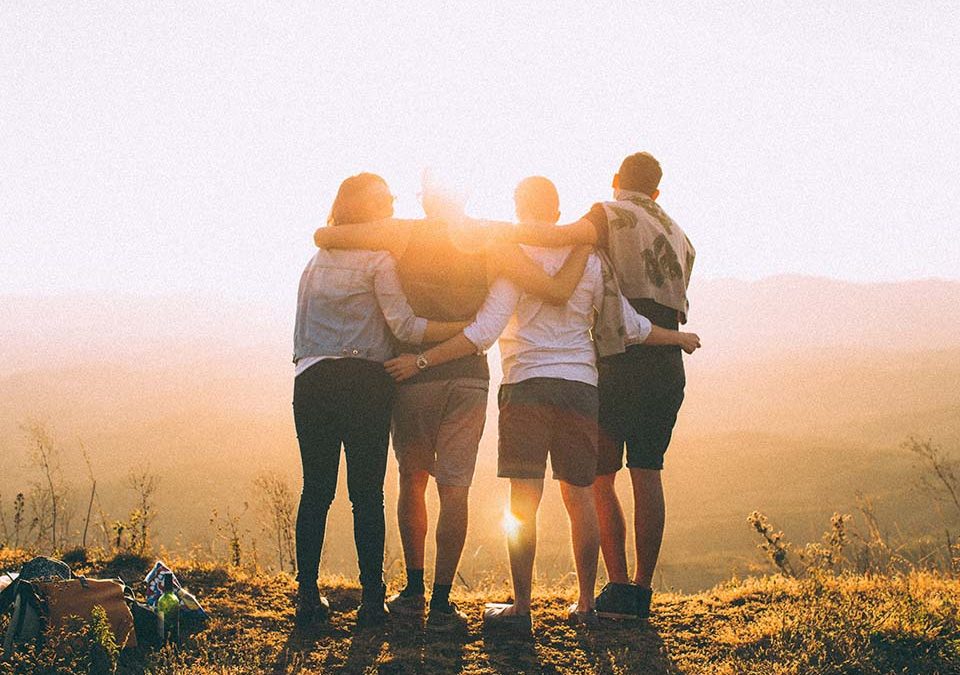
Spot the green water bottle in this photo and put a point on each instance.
(168, 605)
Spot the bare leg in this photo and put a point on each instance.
(586, 539)
(451, 531)
(613, 529)
(648, 518)
(525, 496)
(412, 517)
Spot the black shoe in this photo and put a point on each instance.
(372, 610)
(311, 606)
(618, 601)
(446, 617)
(643, 595)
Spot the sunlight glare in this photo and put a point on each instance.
(510, 524)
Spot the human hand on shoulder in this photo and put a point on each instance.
(319, 236)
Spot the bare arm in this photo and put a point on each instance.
(437, 331)
(389, 234)
(404, 367)
(689, 342)
(479, 336)
(507, 260)
(582, 232)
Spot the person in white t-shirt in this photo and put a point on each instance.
(548, 404)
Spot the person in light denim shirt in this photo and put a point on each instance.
(447, 263)
(349, 308)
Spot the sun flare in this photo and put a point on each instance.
(510, 523)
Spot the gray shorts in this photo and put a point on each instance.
(437, 427)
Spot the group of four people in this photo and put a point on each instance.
(587, 317)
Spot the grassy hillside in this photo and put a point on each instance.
(766, 625)
(797, 403)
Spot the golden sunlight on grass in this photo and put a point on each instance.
(814, 626)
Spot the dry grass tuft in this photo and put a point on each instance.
(822, 624)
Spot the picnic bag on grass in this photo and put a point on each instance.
(26, 618)
(78, 597)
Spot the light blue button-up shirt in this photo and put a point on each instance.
(348, 303)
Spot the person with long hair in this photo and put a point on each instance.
(446, 264)
(349, 302)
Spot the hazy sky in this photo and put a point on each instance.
(154, 147)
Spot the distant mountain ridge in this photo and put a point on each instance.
(736, 319)
(749, 318)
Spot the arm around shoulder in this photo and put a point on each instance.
(581, 232)
(507, 260)
(382, 235)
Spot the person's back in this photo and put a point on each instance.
(641, 386)
(546, 340)
(347, 305)
(651, 254)
(444, 280)
(548, 409)
(338, 310)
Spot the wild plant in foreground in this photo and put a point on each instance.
(229, 530)
(773, 544)
(78, 646)
(278, 505)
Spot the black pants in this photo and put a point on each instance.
(343, 402)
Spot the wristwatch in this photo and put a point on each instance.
(422, 362)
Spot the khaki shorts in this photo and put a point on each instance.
(437, 427)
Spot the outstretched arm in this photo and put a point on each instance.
(688, 342)
(437, 331)
(542, 234)
(476, 338)
(507, 260)
(389, 234)
(640, 330)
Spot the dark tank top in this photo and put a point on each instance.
(444, 280)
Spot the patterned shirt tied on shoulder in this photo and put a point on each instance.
(652, 256)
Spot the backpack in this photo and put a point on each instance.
(45, 594)
(25, 619)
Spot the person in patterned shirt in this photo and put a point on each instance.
(642, 388)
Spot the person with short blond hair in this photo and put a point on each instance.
(548, 402)
(641, 386)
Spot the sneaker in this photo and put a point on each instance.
(447, 617)
(311, 606)
(617, 601)
(578, 618)
(407, 605)
(372, 610)
(495, 619)
(643, 596)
